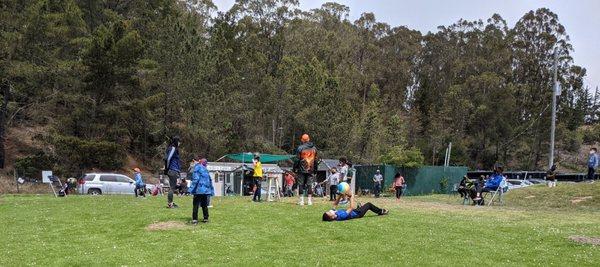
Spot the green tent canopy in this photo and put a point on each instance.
(264, 158)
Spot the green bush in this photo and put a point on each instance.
(32, 166)
(77, 155)
(444, 183)
(401, 157)
(589, 134)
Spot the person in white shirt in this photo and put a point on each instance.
(377, 179)
(333, 180)
(343, 165)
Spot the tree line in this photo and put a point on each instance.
(106, 79)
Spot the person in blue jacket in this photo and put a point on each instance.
(140, 186)
(201, 187)
(172, 169)
(592, 164)
(492, 183)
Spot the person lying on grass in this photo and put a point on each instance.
(352, 212)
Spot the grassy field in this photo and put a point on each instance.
(429, 230)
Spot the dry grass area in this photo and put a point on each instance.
(585, 240)
(169, 225)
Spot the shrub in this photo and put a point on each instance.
(32, 166)
(77, 155)
(401, 157)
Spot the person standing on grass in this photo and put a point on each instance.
(257, 177)
(201, 187)
(333, 180)
(305, 168)
(551, 176)
(289, 184)
(172, 169)
(377, 179)
(343, 168)
(592, 164)
(398, 185)
(140, 186)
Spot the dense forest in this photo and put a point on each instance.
(106, 80)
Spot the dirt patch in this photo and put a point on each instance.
(161, 226)
(580, 199)
(586, 240)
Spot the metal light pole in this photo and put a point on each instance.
(554, 91)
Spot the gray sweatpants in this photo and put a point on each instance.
(173, 176)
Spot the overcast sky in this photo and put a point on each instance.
(580, 18)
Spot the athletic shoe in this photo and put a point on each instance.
(205, 221)
(384, 212)
(301, 203)
(195, 222)
(172, 206)
(210, 206)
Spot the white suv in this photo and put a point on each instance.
(106, 183)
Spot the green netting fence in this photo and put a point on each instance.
(419, 181)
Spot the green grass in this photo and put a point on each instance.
(111, 230)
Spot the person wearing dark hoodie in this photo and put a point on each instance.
(305, 168)
(201, 187)
(172, 169)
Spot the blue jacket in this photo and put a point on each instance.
(172, 159)
(201, 183)
(138, 180)
(593, 161)
(494, 181)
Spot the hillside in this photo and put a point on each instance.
(569, 196)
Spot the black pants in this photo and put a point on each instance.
(141, 190)
(368, 207)
(305, 182)
(377, 189)
(257, 193)
(398, 191)
(173, 175)
(463, 191)
(333, 192)
(591, 173)
(202, 201)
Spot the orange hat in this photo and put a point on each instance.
(305, 138)
(137, 170)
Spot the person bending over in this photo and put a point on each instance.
(352, 212)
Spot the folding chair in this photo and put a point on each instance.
(498, 195)
(454, 190)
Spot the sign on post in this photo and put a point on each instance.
(46, 177)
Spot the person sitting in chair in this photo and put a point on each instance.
(465, 186)
(492, 183)
(352, 212)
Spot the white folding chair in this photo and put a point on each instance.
(498, 195)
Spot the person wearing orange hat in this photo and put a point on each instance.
(305, 167)
(140, 186)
